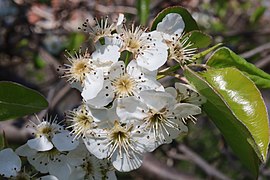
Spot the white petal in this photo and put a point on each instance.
(25, 150)
(61, 169)
(186, 109)
(157, 100)
(104, 97)
(10, 163)
(125, 163)
(98, 146)
(171, 24)
(130, 109)
(107, 53)
(154, 58)
(93, 84)
(48, 177)
(40, 143)
(171, 91)
(64, 141)
(78, 173)
(39, 161)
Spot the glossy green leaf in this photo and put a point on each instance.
(143, 11)
(236, 107)
(190, 23)
(198, 39)
(17, 100)
(224, 57)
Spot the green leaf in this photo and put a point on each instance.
(190, 23)
(143, 11)
(224, 57)
(257, 14)
(236, 107)
(17, 100)
(198, 39)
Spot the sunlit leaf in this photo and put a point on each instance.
(236, 107)
(198, 39)
(17, 100)
(224, 57)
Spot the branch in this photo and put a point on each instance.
(210, 170)
(255, 50)
(158, 170)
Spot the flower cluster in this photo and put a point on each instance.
(125, 111)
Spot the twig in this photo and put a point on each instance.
(115, 9)
(263, 62)
(255, 50)
(157, 170)
(210, 170)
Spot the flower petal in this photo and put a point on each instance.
(93, 84)
(40, 143)
(171, 24)
(10, 163)
(64, 141)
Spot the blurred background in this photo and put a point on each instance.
(35, 33)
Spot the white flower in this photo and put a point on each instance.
(180, 49)
(82, 121)
(121, 142)
(147, 48)
(48, 134)
(158, 113)
(102, 28)
(123, 82)
(52, 161)
(10, 163)
(185, 94)
(87, 166)
(86, 69)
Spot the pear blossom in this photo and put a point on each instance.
(123, 82)
(120, 142)
(184, 93)
(102, 27)
(180, 48)
(86, 68)
(49, 134)
(147, 48)
(87, 166)
(158, 112)
(82, 121)
(10, 163)
(51, 161)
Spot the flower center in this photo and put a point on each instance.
(120, 138)
(88, 167)
(82, 122)
(180, 50)
(79, 69)
(124, 85)
(133, 45)
(45, 129)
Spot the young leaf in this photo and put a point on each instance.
(224, 57)
(198, 39)
(190, 23)
(17, 100)
(236, 107)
